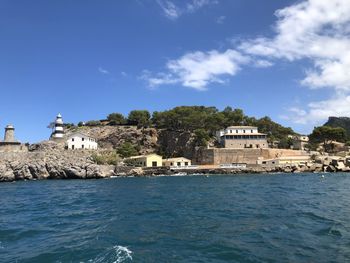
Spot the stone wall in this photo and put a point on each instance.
(217, 156)
(12, 147)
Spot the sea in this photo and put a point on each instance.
(216, 218)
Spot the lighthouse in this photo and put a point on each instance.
(10, 134)
(58, 131)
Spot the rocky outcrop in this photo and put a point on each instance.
(112, 137)
(168, 143)
(49, 161)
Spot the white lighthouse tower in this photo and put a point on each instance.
(58, 130)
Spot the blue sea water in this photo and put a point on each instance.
(248, 218)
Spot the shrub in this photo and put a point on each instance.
(116, 119)
(110, 158)
(93, 123)
(141, 118)
(127, 149)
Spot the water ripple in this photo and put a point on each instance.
(250, 218)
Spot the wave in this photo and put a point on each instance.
(116, 254)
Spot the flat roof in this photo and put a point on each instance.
(144, 156)
(176, 158)
(233, 133)
(242, 127)
(80, 133)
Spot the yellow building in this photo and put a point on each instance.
(150, 160)
(177, 162)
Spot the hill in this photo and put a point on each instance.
(175, 132)
(343, 122)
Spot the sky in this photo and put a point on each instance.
(289, 60)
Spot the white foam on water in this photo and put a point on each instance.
(116, 254)
(123, 253)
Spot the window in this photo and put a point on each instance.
(82, 146)
(251, 131)
(72, 147)
(236, 131)
(154, 164)
(186, 163)
(178, 163)
(72, 139)
(171, 164)
(83, 139)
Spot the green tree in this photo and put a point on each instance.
(285, 143)
(233, 117)
(326, 134)
(141, 118)
(93, 123)
(116, 119)
(201, 137)
(127, 149)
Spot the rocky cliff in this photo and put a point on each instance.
(149, 140)
(49, 161)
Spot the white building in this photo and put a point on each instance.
(242, 137)
(79, 140)
(177, 162)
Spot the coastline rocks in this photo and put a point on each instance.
(46, 161)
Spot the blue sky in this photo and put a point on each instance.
(86, 59)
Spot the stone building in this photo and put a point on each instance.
(242, 137)
(10, 144)
(300, 142)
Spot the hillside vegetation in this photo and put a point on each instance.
(175, 132)
(342, 122)
(201, 120)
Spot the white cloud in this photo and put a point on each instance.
(173, 11)
(220, 19)
(317, 31)
(338, 105)
(103, 71)
(198, 69)
(262, 63)
(169, 9)
(197, 4)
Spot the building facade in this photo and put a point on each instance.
(241, 137)
(150, 160)
(81, 141)
(177, 162)
(300, 142)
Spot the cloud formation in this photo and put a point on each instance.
(319, 32)
(314, 30)
(173, 11)
(103, 71)
(198, 69)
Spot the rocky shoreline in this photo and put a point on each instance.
(39, 170)
(49, 161)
